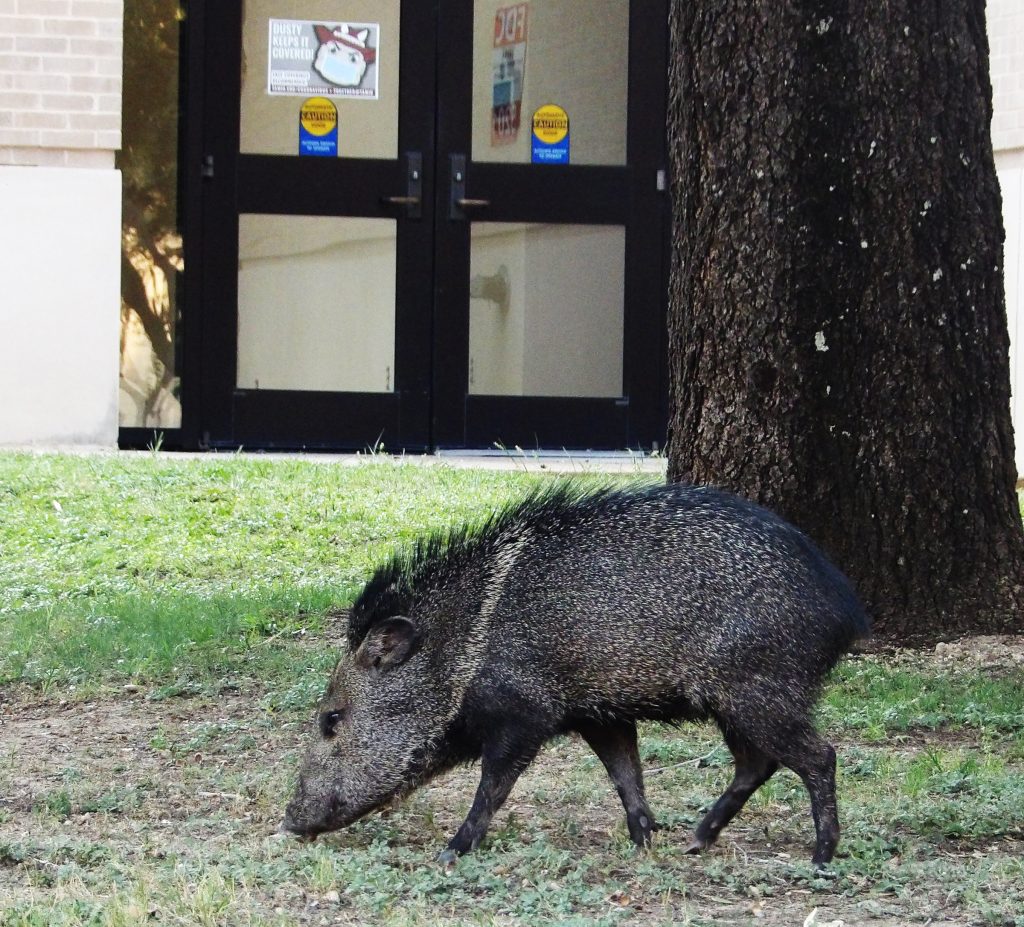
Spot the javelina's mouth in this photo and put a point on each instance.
(305, 833)
(338, 815)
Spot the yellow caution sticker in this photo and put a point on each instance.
(550, 124)
(318, 128)
(318, 115)
(550, 135)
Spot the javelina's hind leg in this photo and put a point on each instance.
(615, 745)
(814, 761)
(753, 769)
(505, 755)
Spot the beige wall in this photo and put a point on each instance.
(316, 303)
(1006, 46)
(1006, 43)
(497, 331)
(60, 220)
(59, 248)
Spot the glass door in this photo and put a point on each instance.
(554, 314)
(434, 225)
(320, 223)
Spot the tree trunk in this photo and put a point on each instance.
(837, 330)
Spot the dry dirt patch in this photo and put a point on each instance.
(994, 653)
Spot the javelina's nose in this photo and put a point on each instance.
(290, 826)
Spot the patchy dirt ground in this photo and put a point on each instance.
(996, 653)
(167, 812)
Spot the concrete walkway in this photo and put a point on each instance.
(540, 461)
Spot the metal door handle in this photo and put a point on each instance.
(458, 202)
(412, 199)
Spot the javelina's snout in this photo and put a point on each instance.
(289, 827)
(308, 818)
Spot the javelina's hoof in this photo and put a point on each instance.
(641, 829)
(696, 846)
(448, 857)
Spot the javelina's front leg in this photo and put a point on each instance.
(505, 755)
(615, 745)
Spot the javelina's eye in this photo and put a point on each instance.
(329, 721)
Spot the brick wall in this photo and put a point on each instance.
(1006, 45)
(60, 82)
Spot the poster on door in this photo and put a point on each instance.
(509, 72)
(328, 59)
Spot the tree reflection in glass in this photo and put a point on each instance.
(151, 245)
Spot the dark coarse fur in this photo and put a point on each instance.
(586, 611)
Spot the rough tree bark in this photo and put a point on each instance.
(838, 337)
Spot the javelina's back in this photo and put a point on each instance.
(585, 611)
(617, 598)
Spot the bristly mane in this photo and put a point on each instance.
(389, 590)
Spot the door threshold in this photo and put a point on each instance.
(542, 453)
(555, 461)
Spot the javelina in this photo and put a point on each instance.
(584, 611)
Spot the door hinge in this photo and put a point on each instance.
(206, 169)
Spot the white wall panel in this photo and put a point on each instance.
(60, 244)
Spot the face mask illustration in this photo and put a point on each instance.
(343, 57)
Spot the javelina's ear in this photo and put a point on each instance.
(388, 644)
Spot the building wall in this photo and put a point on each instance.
(1006, 49)
(60, 204)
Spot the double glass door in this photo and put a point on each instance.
(433, 225)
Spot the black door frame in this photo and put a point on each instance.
(434, 394)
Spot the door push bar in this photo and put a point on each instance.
(412, 200)
(458, 202)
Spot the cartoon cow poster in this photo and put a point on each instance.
(331, 59)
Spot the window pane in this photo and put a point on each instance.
(573, 54)
(366, 99)
(545, 311)
(316, 303)
(152, 259)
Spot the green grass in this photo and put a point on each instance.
(876, 700)
(158, 569)
(543, 862)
